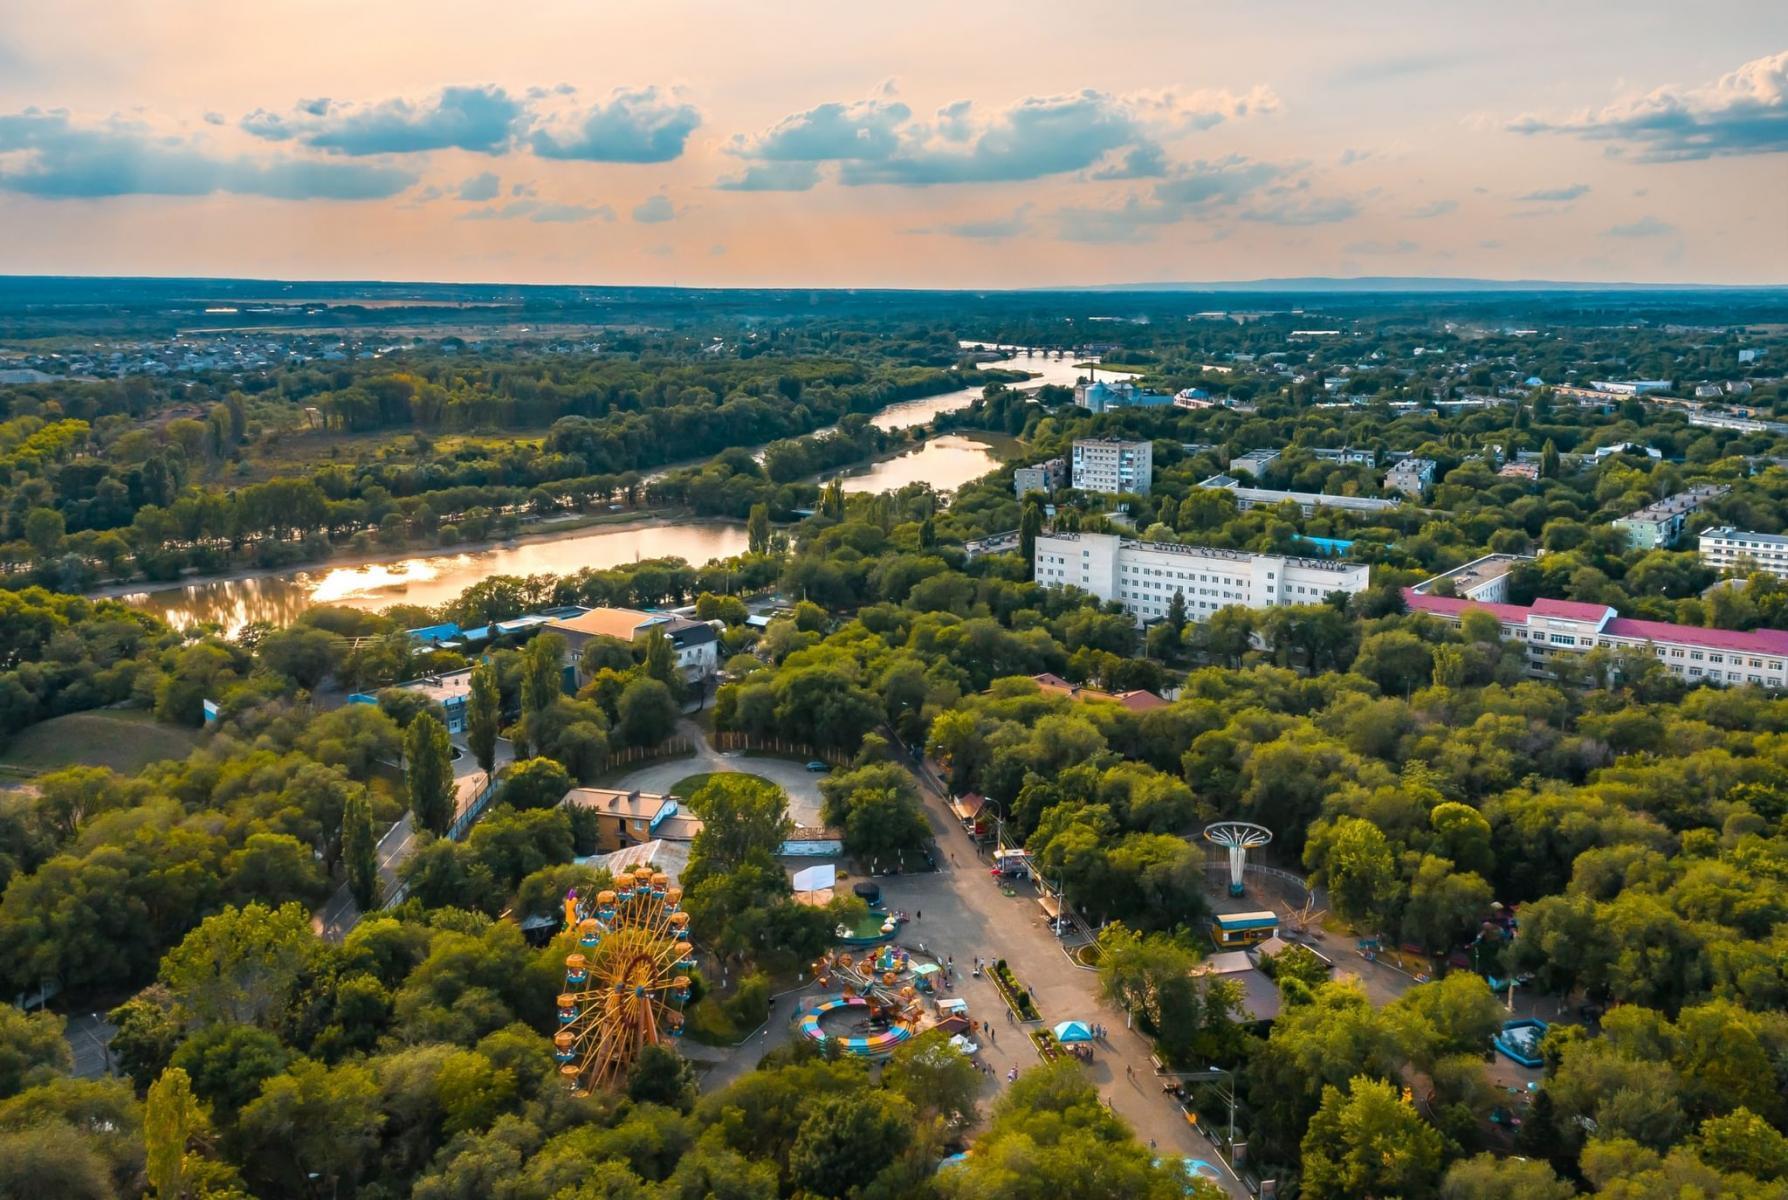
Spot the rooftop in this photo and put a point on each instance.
(1748, 535)
(1475, 573)
(629, 805)
(606, 622)
(1682, 502)
(1755, 641)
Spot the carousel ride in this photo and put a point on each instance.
(626, 982)
(880, 1002)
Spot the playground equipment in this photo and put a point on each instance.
(1237, 837)
(1520, 1040)
(627, 981)
(1305, 918)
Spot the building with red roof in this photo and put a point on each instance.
(1549, 627)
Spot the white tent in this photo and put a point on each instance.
(814, 879)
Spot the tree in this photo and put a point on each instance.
(360, 851)
(757, 529)
(32, 1048)
(660, 661)
(647, 710)
(239, 965)
(534, 783)
(1742, 1141)
(934, 1077)
(313, 1119)
(1487, 1177)
(662, 1076)
(1368, 1142)
(744, 821)
(483, 716)
(173, 1120)
(1357, 866)
(1030, 524)
(543, 673)
(428, 773)
(304, 654)
(1398, 661)
(846, 1141)
(1549, 460)
(1445, 905)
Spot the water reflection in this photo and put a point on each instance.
(431, 579)
(946, 463)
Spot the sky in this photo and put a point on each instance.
(919, 144)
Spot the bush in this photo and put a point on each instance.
(1017, 998)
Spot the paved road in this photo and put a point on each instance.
(89, 1036)
(961, 912)
(340, 914)
(800, 784)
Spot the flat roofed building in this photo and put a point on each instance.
(1411, 477)
(696, 643)
(1744, 551)
(1550, 627)
(1658, 525)
(1113, 467)
(1307, 502)
(1483, 578)
(1143, 576)
(1045, 477)
(623, 818)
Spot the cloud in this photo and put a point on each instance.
(1401, 246)
(1432, 209)
(640, 125)
(1644, 227)
(1247, 189)
(878, 140)
(1397, 68)
(991, 229)
(1742, 112)
(653, 210)
(48, 154)
(1287, 209)
(773, 177)
(480, 188)
(480, 119)
(1147, 161)
(1560, 195)
(540, 212)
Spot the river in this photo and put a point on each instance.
(435, 577)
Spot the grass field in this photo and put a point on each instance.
(690, 784)
(123, 739)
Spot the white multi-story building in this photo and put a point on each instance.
(1551, 627)
(1143, 576)
(1729, 549)
(1112, 466)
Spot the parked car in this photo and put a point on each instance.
(816, 766)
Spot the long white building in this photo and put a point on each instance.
(1729, 549)
(1143, 576)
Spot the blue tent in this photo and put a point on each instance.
(1073, 1031)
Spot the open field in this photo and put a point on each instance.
(125, 740)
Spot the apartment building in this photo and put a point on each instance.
(1043, 477)
(1744, 551)
(1658, 525)
(1143, 576)
(1412, 476)
(1112, 466)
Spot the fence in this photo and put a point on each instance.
(747, 741)
(676, 747)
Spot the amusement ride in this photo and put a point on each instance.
(626, 982)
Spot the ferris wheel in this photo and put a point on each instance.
(627, 981)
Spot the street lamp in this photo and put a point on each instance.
(1230, 1089)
